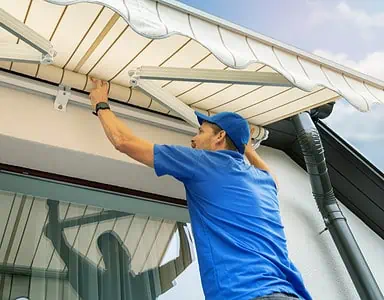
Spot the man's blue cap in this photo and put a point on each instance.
(233, 124)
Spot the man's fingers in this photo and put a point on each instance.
(96, 82)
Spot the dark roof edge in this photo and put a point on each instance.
(353, 151)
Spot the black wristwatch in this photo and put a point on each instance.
(100, 105)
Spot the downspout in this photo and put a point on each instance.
(336, 223)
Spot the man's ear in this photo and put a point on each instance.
(221, 135)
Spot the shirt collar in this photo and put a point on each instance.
(234, 154)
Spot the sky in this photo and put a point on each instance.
(348, 32)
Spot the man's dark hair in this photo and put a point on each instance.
(228, 141)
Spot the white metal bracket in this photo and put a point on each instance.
(43, 51)
(62, 98)
(259, 135)
(212, 76)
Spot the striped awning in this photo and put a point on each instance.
(108, 38)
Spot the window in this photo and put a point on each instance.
(60, 250)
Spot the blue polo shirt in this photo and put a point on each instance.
(234, 210)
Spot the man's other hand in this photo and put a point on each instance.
(99, 92)
(249, 147)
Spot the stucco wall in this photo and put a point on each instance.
(316, 255)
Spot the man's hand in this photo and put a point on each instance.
(117, 132)
(99, 92)
(254, 158)
(249, 147)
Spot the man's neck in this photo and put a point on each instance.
(219, 148)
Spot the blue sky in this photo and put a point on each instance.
(348, 32)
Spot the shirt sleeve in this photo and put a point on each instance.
(177, 161)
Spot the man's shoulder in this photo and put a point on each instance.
(178, 149)
(206, 158)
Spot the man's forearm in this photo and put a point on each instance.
(254, 159)
(115, 130)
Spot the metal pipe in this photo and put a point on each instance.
(336, 223)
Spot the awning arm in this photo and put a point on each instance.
(167, 99)
(20, 53)
(213, 76)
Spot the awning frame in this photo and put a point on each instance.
(141, 79)
(165, 98)
(238, 48)
(211, 76)
(43, 51)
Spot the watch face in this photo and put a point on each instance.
(102, 105)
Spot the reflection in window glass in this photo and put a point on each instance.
(56, 250)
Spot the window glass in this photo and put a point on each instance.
(57, 250)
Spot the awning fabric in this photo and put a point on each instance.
(93, 39)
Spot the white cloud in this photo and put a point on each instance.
(366, 137)
(360, 17)
(364, 131)
(371, 65)
(367, 24)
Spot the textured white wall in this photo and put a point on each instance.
(34, 135)
(316, 255)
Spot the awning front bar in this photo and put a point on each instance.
(212, 76)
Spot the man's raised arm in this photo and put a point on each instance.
(117, 132)
(255, 159)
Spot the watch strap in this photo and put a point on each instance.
(100, 106)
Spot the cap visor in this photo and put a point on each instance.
(201, 117)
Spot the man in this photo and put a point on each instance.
(234, 210)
